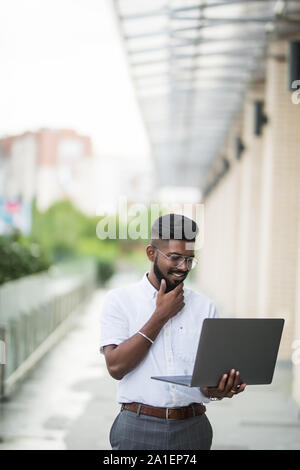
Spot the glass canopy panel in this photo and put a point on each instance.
(192, 62)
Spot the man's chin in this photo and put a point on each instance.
(173, 282)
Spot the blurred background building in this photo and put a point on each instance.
(49, 165)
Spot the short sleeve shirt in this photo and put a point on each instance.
(125, 311)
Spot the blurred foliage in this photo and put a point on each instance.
(65, 232)
(60, 227)
(19, 256)
(62, 233)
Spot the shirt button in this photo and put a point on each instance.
(167, 333)
(170, 359)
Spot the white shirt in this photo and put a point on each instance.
(125, 311)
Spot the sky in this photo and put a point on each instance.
(63, 66)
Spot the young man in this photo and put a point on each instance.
(152, 328)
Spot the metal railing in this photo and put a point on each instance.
(35, 312)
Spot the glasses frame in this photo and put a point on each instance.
(185, 258)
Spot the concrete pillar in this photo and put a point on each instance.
(296, 342)
(280, 200)
(248, 248)
(217, 270)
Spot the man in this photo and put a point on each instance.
(152, 328)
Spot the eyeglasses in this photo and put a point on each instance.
(178, 260)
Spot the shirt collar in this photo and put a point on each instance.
(148, 287)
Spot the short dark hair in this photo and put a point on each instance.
(174, 227)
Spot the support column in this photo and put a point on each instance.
(217, 270)
(280, 201)
(250, 210)
(296, 342)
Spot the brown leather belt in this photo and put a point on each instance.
(185, 412)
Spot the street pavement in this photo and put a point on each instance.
(69, 402)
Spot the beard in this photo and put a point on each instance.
(159, 276)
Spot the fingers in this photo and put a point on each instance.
(175, 292)
(178, 289)
(222, 383)
(241, 388)
(216, 391)
(180, 297)
(230, 381)
(178, 294)
(237, 387)
(233, 386)
(179, 302)
(162, 288)
(236, 380)
(227, 387)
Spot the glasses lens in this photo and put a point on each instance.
(179, 260)
(194, 263)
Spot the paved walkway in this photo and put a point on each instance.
(69, 402)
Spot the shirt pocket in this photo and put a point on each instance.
(188, 339)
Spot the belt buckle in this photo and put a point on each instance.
(167, 414)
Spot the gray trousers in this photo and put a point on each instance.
(131, 430)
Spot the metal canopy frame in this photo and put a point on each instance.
(191, 63)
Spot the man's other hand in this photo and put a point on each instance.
(228, 386)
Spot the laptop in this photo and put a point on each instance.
(249, 345)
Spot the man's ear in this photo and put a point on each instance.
(150, 253)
